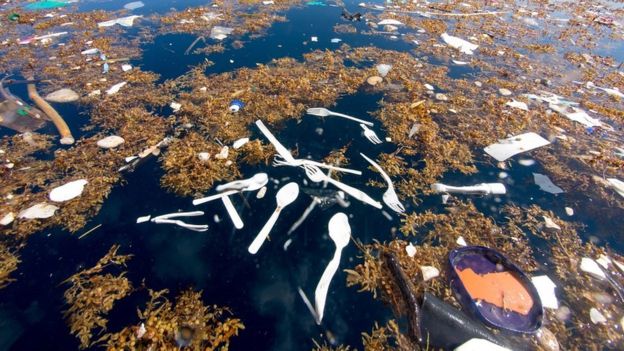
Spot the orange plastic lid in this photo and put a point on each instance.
(501, 289)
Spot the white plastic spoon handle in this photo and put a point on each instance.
(264, 232)
(283, 151)
(179, 214)
(356, 193)
(213, 197)
(320, 294)
(384, 175)
(231, 210)
(352, 118)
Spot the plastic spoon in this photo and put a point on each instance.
(252, 184)
(340, 233)
(285, 196)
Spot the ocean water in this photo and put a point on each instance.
(261, 290)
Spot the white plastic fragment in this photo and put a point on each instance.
(126, 67)
(597, 317)
(410, 249)
(203, 156)
(143, 219)
(62, 95)
(92, 51)
(175, 106)
(546, 184)
(41, 210)
(7, 218)
(577, 115)
(314, 39)
(220, 33)
(68, 191)
(546, 290)
(260, 194)
(134, 5)
(429, 272)
(604, 261)
(335, 40)
(590, 266)
(461, 241)
(383, 69)
(429, 86)
(482, 189)
(477, 344)
(115, 88)
(504, 92)
(123, 21)
(617, 185)
(518, 104)
(391, 22)
(550, 224)
(239, 143)
(141, 331)
(459, 63)
(509, 147)
(459, 44)
(223, 154)
(111, 141)
(95, 93)
(526, 162)
(569, 211)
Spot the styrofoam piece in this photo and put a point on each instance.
(546, 184)
(68, 191)
(462, 45)
(41, 210)
(509, 147)
(391, 22)
(410, 249)
(617, 185)
(239, 143)
(546, 290)
(590, 266)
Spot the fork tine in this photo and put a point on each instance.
(377, 138)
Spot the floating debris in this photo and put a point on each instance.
(546, 184)
(546, 290)
(115, 88)
(410, 249)
(518, 104)
(597, 317)
(462, 45)
(133, 6)
(509, 147)
(68, 191)
(240, 143)
(110, 142)
(39, 211)
(62, 95)
(374, 80)
(123, 21)
(7, 218)
(429, 272)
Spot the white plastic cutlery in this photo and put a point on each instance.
(371, 135)
(389, 197)
(285, 196)
(231, 210)
(340, 233)
(252, 184)
(317, 176)
(166, 219)
(479, 189)
(287, 159)
(323, 112)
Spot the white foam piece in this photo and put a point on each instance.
(546, 184)
(68, 191)
(39, 211)
(546, 290)
(462, 45)
(590, 266)
(509, 147)
(143, 219)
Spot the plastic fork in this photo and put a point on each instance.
(370, 135)
(316, 175)
(390, 197)
(323, 112)
(278, 160)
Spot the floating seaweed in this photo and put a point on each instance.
(92, 295)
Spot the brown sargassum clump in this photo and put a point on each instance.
(8, 264)
(188, 324)
(92, 295)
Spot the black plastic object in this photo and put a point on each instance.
(484, 260)
(444, 326)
